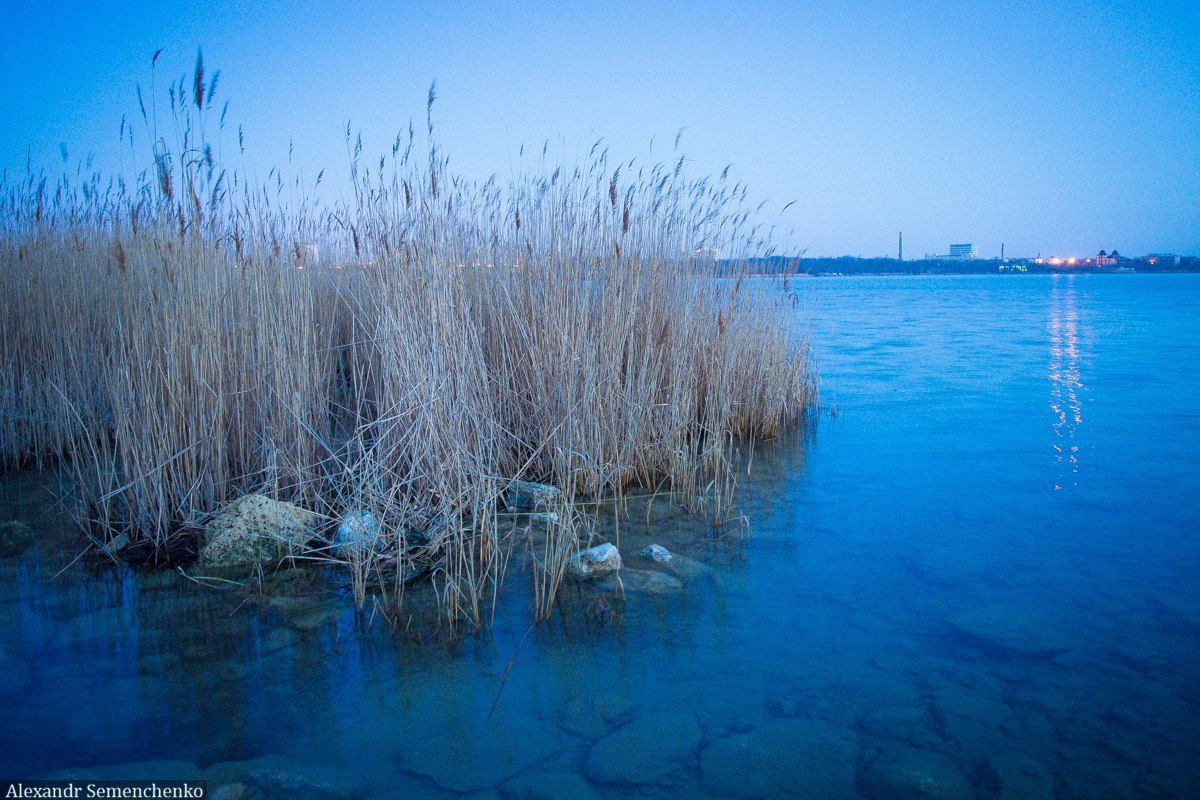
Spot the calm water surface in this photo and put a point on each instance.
(977, 578)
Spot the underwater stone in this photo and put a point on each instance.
(287, 777)
(15, 538)
(656, 552)
(255, 530)
(595, 561)
(529, 496)
(645, 750)
(548, 786)
(1020, 777)
(911, 774)
(15, 676)
(789, 758)
(641, 581)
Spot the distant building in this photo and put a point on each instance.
(1103, 259)
(964, 251)
(1163, 259)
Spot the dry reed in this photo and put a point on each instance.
(176, 344)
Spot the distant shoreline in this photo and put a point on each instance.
(848, 266)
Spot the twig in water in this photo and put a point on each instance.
(508, 669)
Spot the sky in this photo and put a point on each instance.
(1055, 128)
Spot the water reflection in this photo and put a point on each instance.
(1066, 381)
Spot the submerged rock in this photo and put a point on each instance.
(645, 750)
(287, 777)
(15, 538)
(788, 758)
(133, 771)
(594, 561)
(1018, 776)
(911, 774)
(1009, 630)
(255, 530)
(548, 786)
(529, 496)
(641, 581)
(470, 764)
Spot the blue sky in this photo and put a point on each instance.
(1056, 128)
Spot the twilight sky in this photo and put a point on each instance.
(1054, 127)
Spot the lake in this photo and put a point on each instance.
(975, 575)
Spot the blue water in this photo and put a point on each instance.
(976, 576)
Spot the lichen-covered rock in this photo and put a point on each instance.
(15, 538)
(255, 530)
(598, 560)
(529, 496)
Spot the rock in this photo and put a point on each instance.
(1020, 778)
(232, 791)
(614, 708)
(466, 765)
(645, 750)
(595, 561)
(357, 535)
(255, 530)
(528, 496)
(656, 552)
(903, 724)
(15, 538)
(278, 639)
(287, 777)
(643, 581)
(548, 786)
(686, 568)
(911, 774)
(134, 771)
(1008, 630)
(789, 758)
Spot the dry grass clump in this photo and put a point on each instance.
(177, 344)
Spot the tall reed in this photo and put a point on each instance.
(177, 344)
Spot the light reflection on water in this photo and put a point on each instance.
(1066, 382)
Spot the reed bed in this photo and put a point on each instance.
(192, 336)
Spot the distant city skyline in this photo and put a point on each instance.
(1052, 128)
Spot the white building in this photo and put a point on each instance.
(964, 251)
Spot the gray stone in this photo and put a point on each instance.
(646, 750)
(687, 569)
(255, 530)
(911, 774)
(656, 552)
(594, 561)
(358, 535)
(642, 581)
(529, 496)
(287, 777)
(1020, 778)
(790, 758)
(548, 786)
(15, 538)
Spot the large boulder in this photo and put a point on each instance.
(598, 560)
(646, 750)
(255, 530)
(799, 758)
(15, 538)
